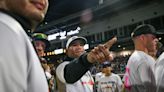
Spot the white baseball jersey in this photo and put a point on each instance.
(20, 68)
(139, 76)
(84, 84)
(110, 83)
(159, 73)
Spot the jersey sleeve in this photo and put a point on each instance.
(60, 71)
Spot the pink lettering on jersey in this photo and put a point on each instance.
(127, 82)
(90, 82)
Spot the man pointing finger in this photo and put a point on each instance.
(74, 71)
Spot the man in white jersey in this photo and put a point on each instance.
(74, 71)
(20, 69)
(139, 76)
(110, 82)
(159, 73)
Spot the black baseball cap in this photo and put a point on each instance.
(106, 64)
(145, 29)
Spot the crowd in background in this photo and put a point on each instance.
(118, 64)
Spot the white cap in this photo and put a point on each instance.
(73, 38)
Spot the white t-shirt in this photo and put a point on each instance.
(110, 83)
(20, 68)
(98, 76)
(159, 73)
(139, 76)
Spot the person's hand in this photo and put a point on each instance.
(101, 52)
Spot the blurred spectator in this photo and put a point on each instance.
(41, 43)
(110, 82)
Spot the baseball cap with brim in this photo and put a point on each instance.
(73, 38)
(41, 37)
(106, 64)
(145, 29)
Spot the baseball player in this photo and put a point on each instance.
(74, 71)
(20, 69)
(159, 73)
(139, 76)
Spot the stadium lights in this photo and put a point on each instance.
(58, 51)
(53, 36)
(160, 38)
(86, 46)
(63, 34)
(72, 32)
(125, 53)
